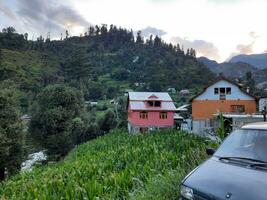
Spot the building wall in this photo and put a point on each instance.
(152, 120)
(236, 93)
(198, 127)
(205, 109)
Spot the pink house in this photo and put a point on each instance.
(148, 111)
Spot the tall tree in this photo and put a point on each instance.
(52, 123)
(91, 31)
(139, 39)
(157, 41)
(10, 131)
(77, 67)
(67, 34)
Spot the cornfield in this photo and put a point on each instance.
(114, 166)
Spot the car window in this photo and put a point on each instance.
(245, 143)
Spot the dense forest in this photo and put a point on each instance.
(54, 81)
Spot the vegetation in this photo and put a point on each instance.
(98, 66)
(101, 64)
(56, 118)
(115, 166)
(10, 130)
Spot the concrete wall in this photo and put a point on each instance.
(198, 127)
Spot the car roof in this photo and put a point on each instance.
(256, 125)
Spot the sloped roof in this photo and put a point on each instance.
(220, 78)
(140, 105)
(137, 101)
(143, 96)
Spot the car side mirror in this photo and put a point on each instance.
(210, 151)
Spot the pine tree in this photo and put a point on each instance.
(157, 41)
(67, 34)
(139, 39)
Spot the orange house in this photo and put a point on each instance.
(222, 95)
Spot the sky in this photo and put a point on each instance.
(217, 29)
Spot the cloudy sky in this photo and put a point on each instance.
(217, 29)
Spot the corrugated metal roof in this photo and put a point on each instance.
(140, 105)
(183, 107)
(142, 96)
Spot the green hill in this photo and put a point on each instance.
(102, 64)
(115, 166)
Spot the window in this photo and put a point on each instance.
(154, 103)
(143, 115)
(163, 115)
(222, 90)
(228, 90)
(216, 90)
(150, 103)
(238, 108)
(157, 103)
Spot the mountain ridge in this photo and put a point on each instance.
(257, 60)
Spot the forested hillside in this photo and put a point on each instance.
(101, 63)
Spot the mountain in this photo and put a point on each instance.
(237, 70)
(257, 60)
(211, 64)
(228, 69)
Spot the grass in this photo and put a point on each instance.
(115, 166)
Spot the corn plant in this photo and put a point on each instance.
(114, 166)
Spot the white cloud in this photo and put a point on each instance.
(146, 32)
(202, 47)
(224, 23)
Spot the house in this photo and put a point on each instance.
(221, 96)
(182, 118)
(171, 90)
(148, 111)
(91, 103)
(184, 92)
(25, 117)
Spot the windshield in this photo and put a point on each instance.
(246, 144)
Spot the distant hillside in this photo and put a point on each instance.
(237, 70)
(260, 77)
(115, 166)
(234, 70)
(257, 60)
